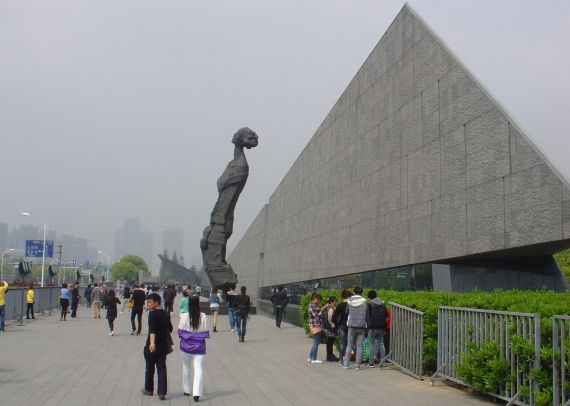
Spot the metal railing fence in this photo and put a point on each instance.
(406, 339)
(45, 300)
(560, 360)
(458, 328)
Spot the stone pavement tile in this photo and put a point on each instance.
(77, 363)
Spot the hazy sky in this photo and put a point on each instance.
(112, 109)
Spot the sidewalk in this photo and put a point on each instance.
(48, 362)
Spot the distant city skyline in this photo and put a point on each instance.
(72, 247)
(132, 237)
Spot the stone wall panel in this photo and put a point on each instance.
(487, 147)
(485, 217)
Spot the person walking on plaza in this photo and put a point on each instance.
(340, 317)
(103, 290)
(30, 300)
(184, 305)
(215, 299)
(112, 302)
(316, 327)
(139, 299)
(87, 294)
(330, 329)
(279, 301)
(75, 299)
(158, 346)
(231, 299)
(96, 301)
(3, 289)
(126, 296)
(377, 325)
(64, 301)
(356, 322)
(168, 296)
(243, 303)
(193, 332)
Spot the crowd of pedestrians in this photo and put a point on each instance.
(360, 324)
(193, 326)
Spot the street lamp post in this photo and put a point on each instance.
(108, 262)
(2, 271)
(44, 247)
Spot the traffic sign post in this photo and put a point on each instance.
(35, 249)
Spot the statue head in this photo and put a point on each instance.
(245, 138)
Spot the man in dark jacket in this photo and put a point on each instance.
(158, 346)
(139, 298)
(75, 299)
(243, 303)
(339, 318)
(279, 301)
(376, 326)
(169, 295)
(87, 295)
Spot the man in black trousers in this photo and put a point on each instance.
(279, 300)
(75, 299)
(139, 298)
(158, 346)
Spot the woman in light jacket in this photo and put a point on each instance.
(193, 331)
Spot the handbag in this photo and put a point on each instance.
(315, 330)
(130, 304)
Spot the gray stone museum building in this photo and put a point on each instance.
(416, 179)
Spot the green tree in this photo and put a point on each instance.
(128, 268)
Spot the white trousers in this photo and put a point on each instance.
(197, 384)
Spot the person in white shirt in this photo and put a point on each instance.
(193, 332)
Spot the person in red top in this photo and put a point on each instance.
(388, 325)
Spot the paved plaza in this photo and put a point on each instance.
(48, 362)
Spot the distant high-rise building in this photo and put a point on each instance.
(19, 236)
(146, 248)
(173, 241)
(74, 248)
(130, 239)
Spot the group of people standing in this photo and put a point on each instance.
(354, 320)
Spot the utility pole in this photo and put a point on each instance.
(59, 252)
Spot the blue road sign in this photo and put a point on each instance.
(35, 248)
(86, 264)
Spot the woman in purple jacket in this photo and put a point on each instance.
(193, 331)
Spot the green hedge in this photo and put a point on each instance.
(545, 303)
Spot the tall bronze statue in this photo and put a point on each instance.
(216, 235)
